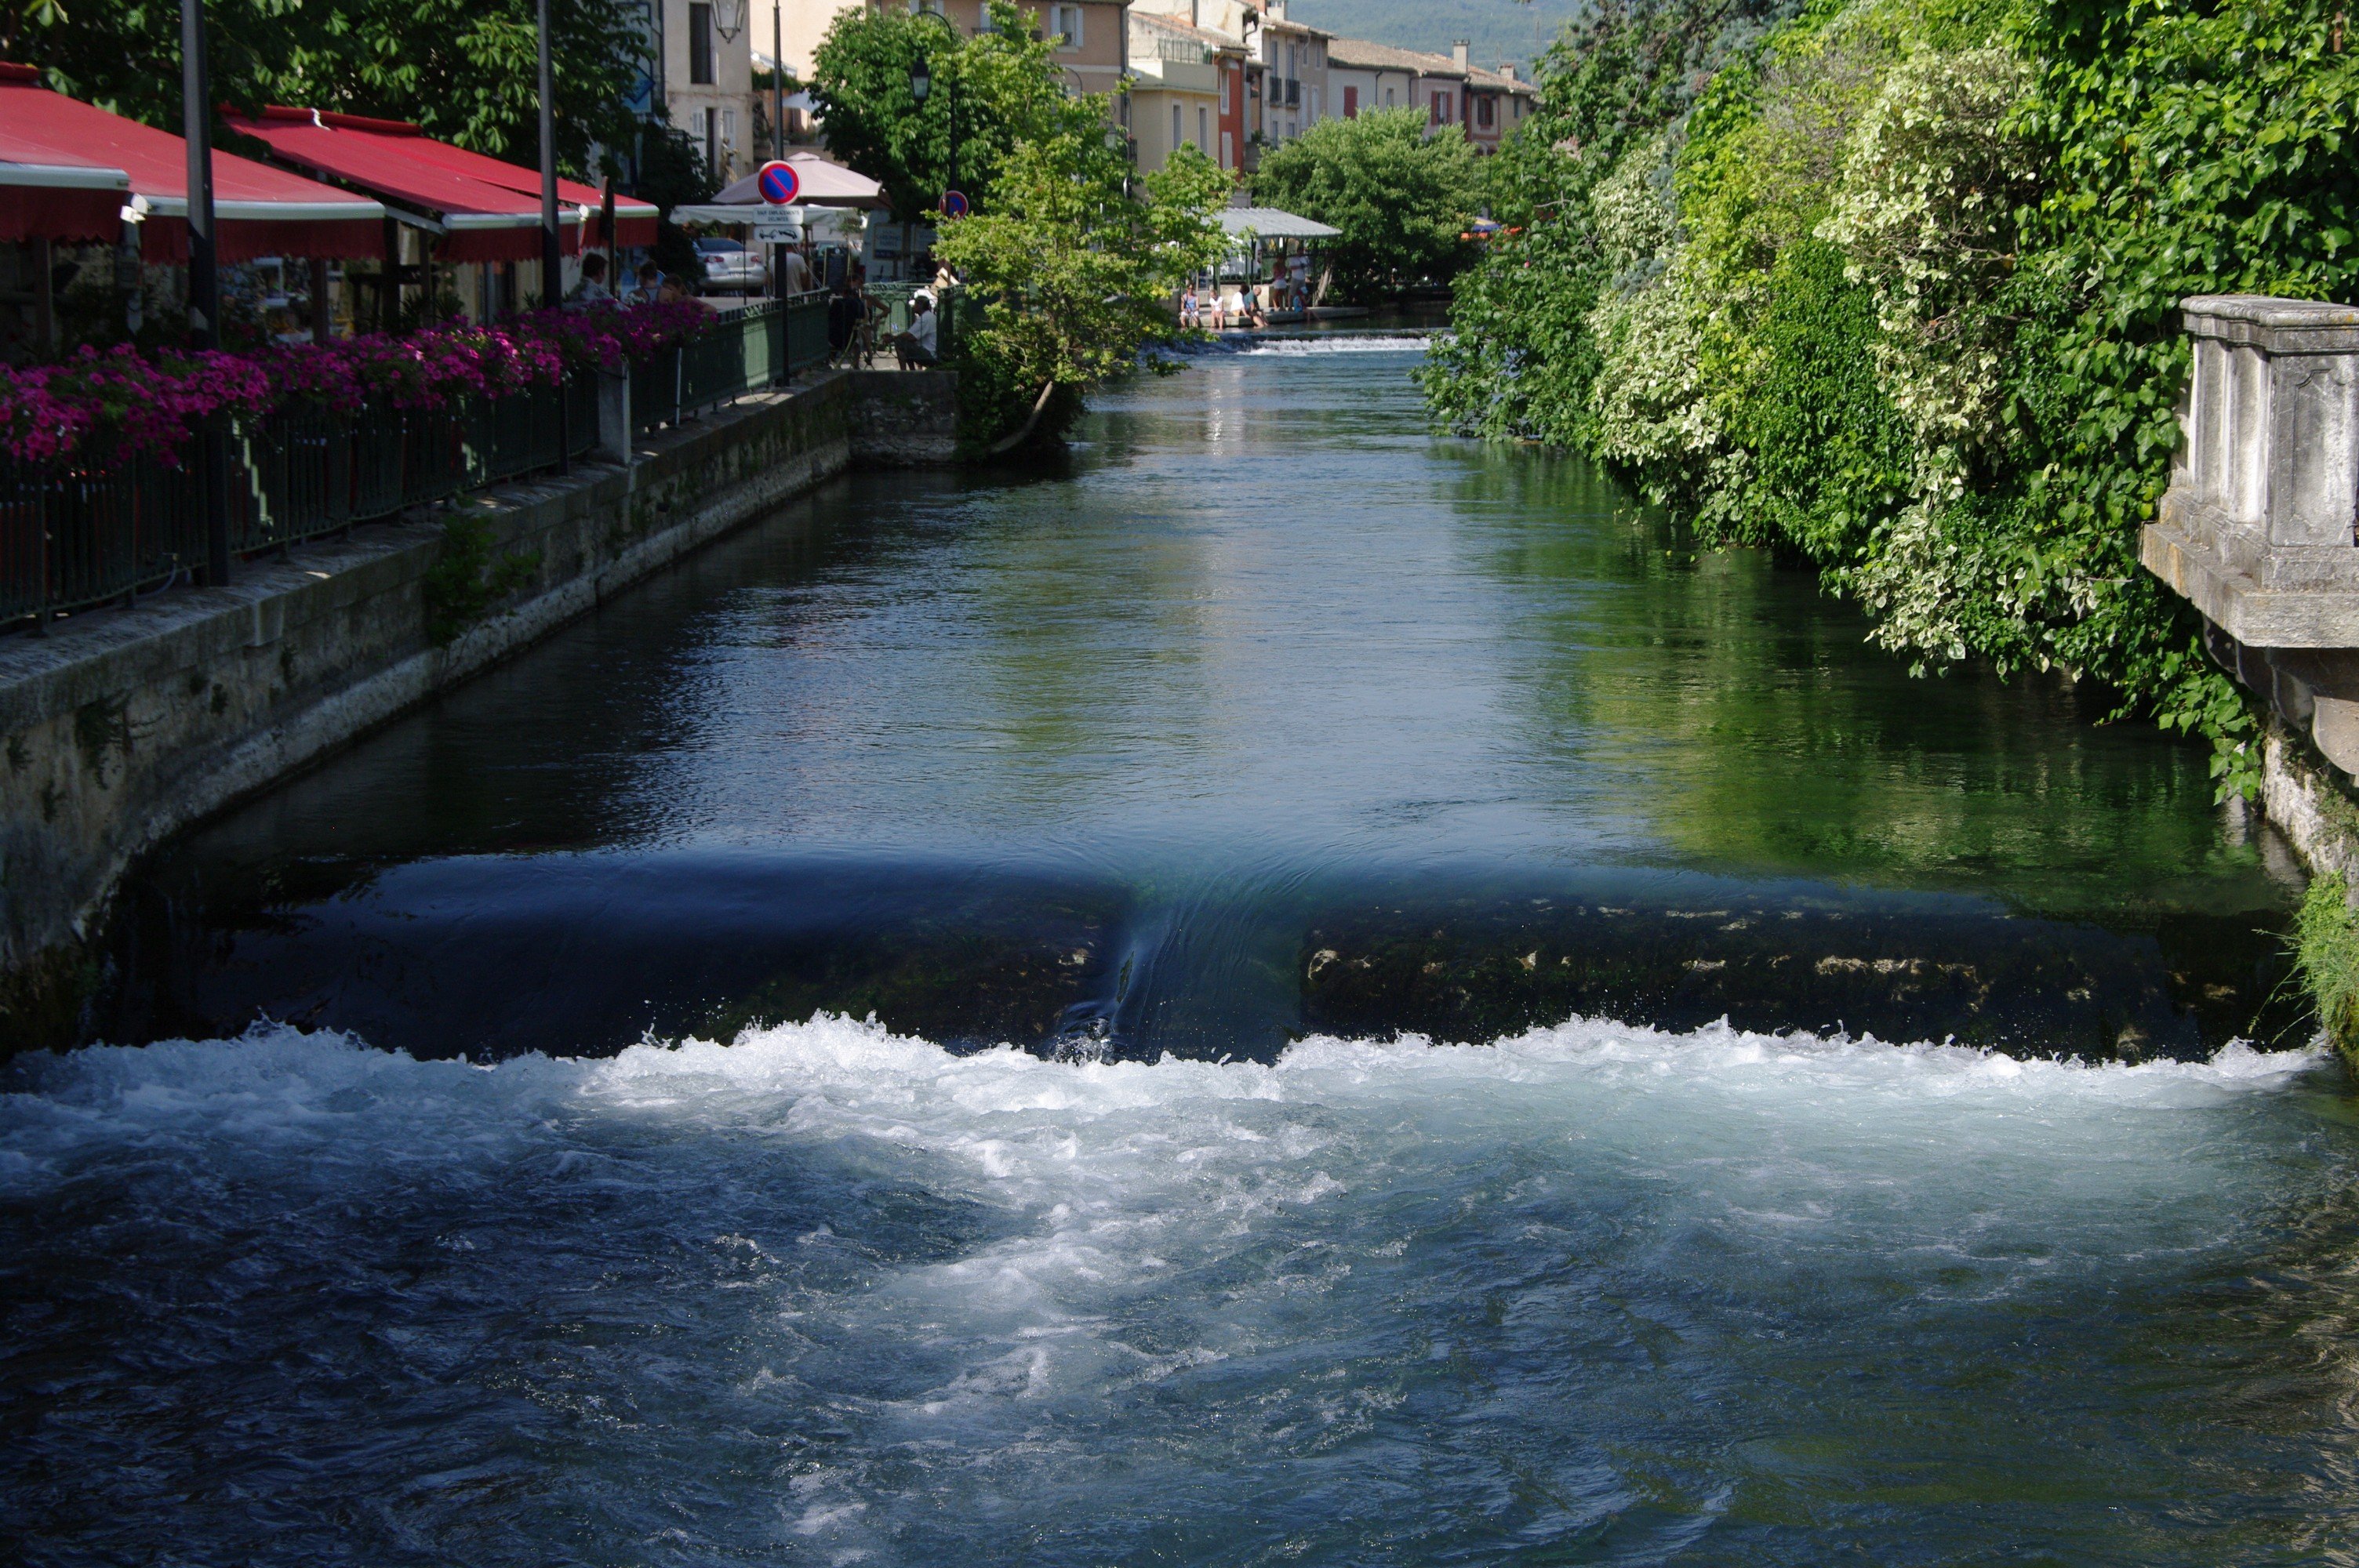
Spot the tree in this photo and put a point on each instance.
(1401, 196)
(1076, 276)
(1002, 86)
(464, 69)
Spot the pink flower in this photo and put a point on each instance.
(150, 404)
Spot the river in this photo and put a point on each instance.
(1290, 991)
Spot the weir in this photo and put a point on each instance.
(121, 726)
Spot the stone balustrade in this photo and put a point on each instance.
(2256, 529)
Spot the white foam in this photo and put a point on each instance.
(1340, 343)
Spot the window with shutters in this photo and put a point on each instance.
(1351, 103)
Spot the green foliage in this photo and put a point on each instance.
(1003, 87)
(1074, 275)
(1830, 456)
(1521, 360)
(1894, 286)
(466, 580)
(2326, 960)
(463, 68)
(1402, 197)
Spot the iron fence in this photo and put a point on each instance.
(110, 528)
(748, 349)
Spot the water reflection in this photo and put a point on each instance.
(1262, 660)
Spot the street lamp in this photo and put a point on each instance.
(921, 87)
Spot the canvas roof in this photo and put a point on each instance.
(484, 209)
(260, 210)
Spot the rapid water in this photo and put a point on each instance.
(1592, 1294)
(1174, 815)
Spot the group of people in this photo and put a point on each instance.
(853, 314)
(1221, 307)
(655, 287)
(1233, 304)
(851, 311)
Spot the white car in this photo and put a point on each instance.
(731, 268)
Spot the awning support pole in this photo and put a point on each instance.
(204, 282)
(552, 260)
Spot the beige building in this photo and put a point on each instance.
(1188, 86)
(706, 47)
(796, 26)
(1091, 50)
(1286, 77)
(1488, 105)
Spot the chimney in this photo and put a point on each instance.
(1507, 69)
(1459, 52)
(1276, 9)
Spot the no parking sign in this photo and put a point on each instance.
(778, 183)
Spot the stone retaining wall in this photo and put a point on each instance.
(123, 726)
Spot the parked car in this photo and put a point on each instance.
(731, 268)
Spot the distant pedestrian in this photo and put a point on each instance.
(1189, 317)
(651, 285)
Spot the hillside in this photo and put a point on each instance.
(1498, 29)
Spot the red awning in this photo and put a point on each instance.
(261, 212)
(489, 210)
(62, 202)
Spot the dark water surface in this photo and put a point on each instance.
(1223, 773)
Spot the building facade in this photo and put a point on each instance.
(1488, 105)
(1187, 87)
(705, 48)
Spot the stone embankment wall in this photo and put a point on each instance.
(123, 726)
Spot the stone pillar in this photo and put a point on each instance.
(614, 417)
(2257, 527)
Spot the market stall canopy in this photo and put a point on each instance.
(62, 202)
(1272, 224)
(825, 184)
(260, 211)
(485, 209)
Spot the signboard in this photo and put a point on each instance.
(778, 183)
(777, 228)
(954, 204)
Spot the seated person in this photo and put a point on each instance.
(915, 347)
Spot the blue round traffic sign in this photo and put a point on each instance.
(778, 183)
(954, 204)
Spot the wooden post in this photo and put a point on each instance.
(45, 300)
(322, 319)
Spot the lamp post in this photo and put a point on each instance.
(921, 86)
(204, 278)
(552, 258)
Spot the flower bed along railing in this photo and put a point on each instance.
(98, 487)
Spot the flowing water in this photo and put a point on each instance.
(1411, 1017)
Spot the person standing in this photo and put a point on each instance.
(794, 272)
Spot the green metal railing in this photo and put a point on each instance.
(107, 529)
(750, 350)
